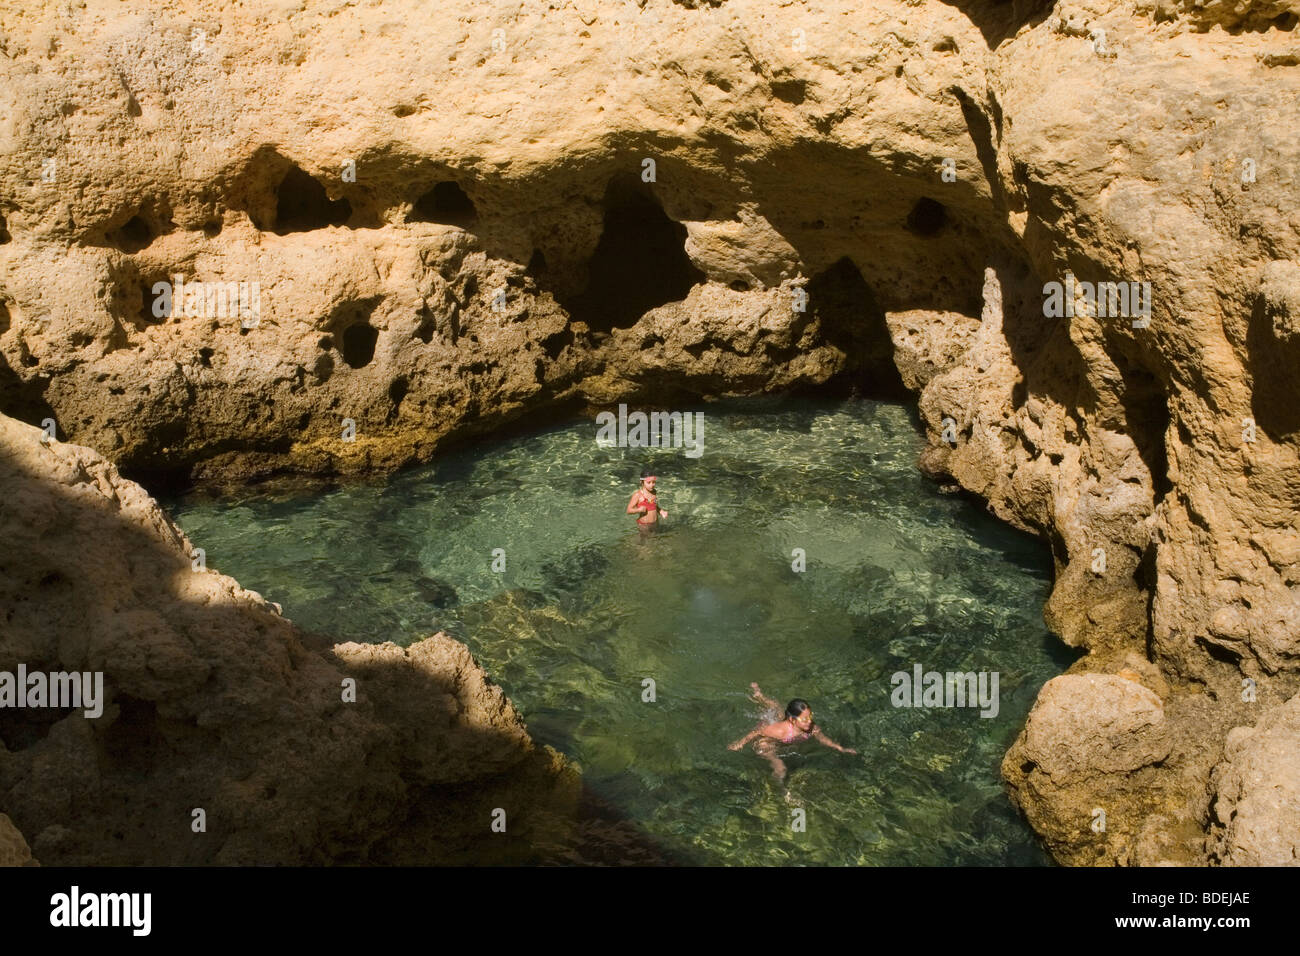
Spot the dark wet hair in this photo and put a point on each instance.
(796, 707)
(646, 472)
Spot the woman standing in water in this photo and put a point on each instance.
(796, 726)
(644, 502)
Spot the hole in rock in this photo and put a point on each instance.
(133, 738)
(323, 369)
(1275, 366)
(537, 264)
(927, 217)
(146, 316)
(398, 390)
(1224, 655)
(205, 357)
(639, 263)
(790, 91)
(302, 205)
(424, 332)
(445, 204)
(4, 231)
(853, 322)
(359, 344)
(24, 727)
(1146, 414)
(132, 236)
(739, 285)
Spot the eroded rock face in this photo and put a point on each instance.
(467, 239)
(1076, 770)
(1256, 809)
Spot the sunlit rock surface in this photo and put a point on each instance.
(445, 212)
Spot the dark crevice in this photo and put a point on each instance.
(639, 263)
(133, 740)
(302, 205)
(1146, 418)
(1275, 364)
(793, 92)
(359, 344)
(927, 217)
(1000, 20)
(323, 368)
(537, 264)
(397, 391)
(852, 321)
(133, 235)
(445, 204)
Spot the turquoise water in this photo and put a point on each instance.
(587, 610)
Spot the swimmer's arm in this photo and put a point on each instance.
(823, 739)
(633, 508)
(745, 739)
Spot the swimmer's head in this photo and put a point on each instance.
(648, 477)
(800, 713)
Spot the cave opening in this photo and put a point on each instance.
(536, 264)
(853, 322)
(446, 204)
(639, 263)
(132, 236)
(302, 205)
(1146, 414)
(927, 217)
(359, 344)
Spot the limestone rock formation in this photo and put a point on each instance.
(1073, 769)
(449, 217)
(1257, 793)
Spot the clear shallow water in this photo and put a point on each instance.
(897, 574)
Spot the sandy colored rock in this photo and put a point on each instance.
(1084, 741)
(1256, 805)
(921, 172)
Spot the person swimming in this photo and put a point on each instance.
(645, 503)
(796, 727)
